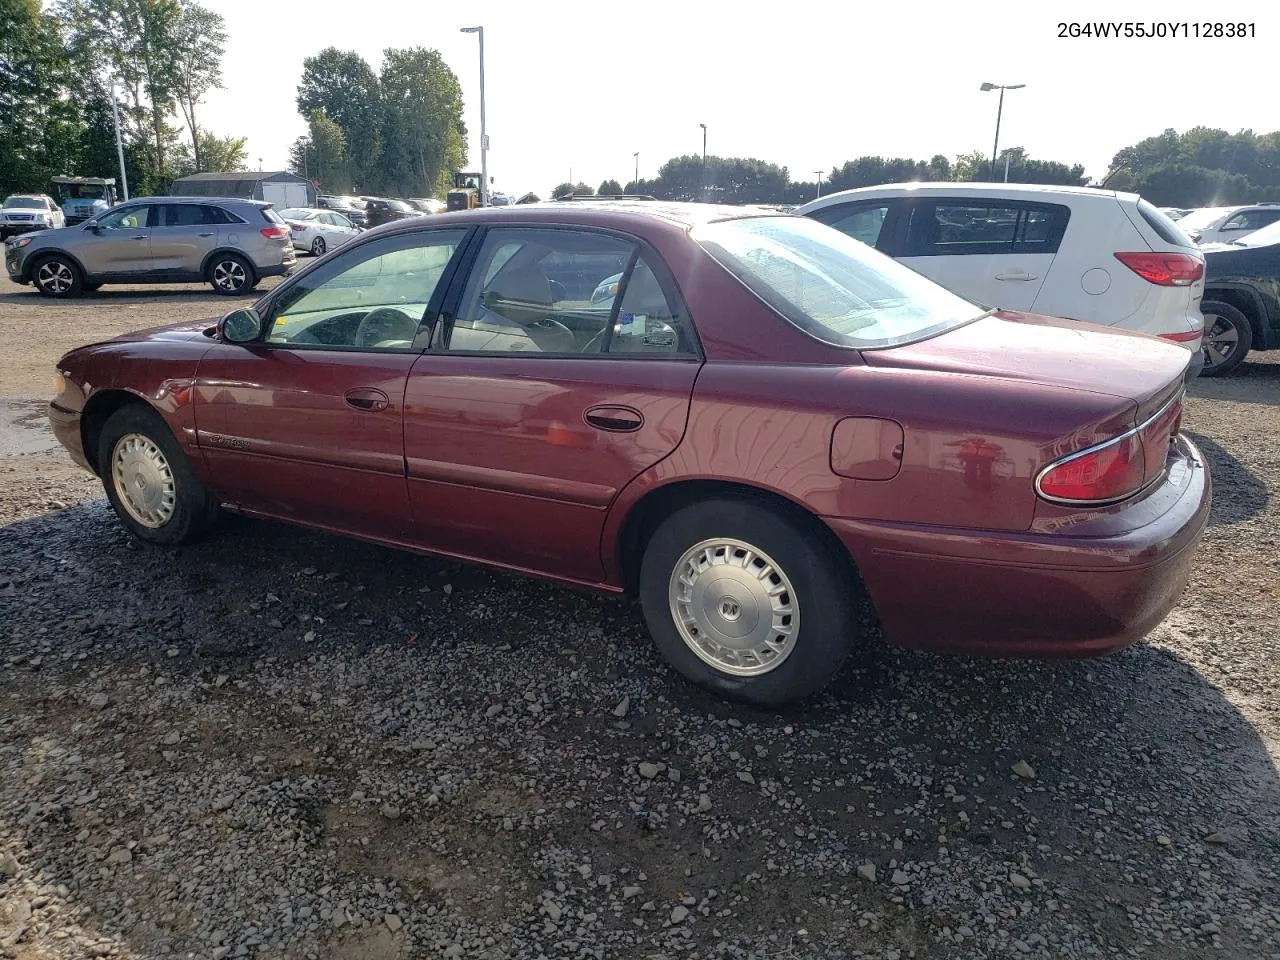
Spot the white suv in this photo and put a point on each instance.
(1084, 254)
(1224, 224)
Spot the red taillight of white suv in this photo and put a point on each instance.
(1116, 469)
(1164, 269)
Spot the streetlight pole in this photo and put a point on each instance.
(819, 173)
(636, 181)
(115, 116)
(704, 160)
(986, 87)
(484, 137)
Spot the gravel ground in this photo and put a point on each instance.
(279, 744)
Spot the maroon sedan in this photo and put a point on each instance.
(743, 419)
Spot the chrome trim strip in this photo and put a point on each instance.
(1064, 501)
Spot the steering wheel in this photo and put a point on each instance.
(385, 323)
(551, 336)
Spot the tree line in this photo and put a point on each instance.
(57, 67)
(1201, 167)
(747, 180)
(397, 132)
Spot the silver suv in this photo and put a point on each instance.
(232, 244)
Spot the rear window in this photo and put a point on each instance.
(832, 286)
(1166, 229)
(270, 215)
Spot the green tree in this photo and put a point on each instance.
(199, 36)
(217, 154)
(580, 189)
(39, 124)
(340, 83)
(562, 190)
(422, 133)
(1189, 185)
(609, 187)
(329, 164)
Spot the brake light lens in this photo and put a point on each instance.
(1164, 269)
(277, 232)
(1116, 469)
(1182, 337)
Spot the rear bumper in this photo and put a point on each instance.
(66, 427)
(1033, 594)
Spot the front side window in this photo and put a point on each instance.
(372, 299)
(539, 291)
(128, 218)
(831, 286)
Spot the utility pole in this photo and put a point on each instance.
(819, 173)
(484, 137)
(637, 179)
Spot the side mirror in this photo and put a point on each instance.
(240, 326)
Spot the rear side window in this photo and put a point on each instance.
(187, 215)
(1165, 229)
(961, 228)
(270, 215)
(862, 221)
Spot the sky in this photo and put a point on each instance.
(582, 86)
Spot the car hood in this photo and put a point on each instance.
(1053, 352)
(186, 330)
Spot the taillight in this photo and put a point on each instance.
(1182, 337)
(276, 232)
(1117, 468)
(1165, 269)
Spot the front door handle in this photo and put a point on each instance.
(366, 398)
(206, 234)
(1020, 275)
(614, 419)
(142, 236)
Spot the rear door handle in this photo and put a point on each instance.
(206, 234)
(1020, 275)
(366, 398)
(614, 419)
(141, 237)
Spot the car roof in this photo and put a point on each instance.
(28, 196)
(197, 199)
(955, 188)
(618, 214)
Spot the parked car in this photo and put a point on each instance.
(1175, 213)
(379, 211)
(1241, 299)
(764, 421)
(316, 231)
(1224, 224)
(230, 243)
(26, 212)
(427, 205)
(350, 207)
(1072, 252)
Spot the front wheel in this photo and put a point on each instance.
(57, 276)
(1228, 338)
(748, 602)
(149, 481)
(231, 275)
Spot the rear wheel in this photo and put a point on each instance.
(747, 601)
(1228, 338)
(317, 247)
(57, 276)
(231, 274)
(149, 481)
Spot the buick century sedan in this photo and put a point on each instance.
(747, 420)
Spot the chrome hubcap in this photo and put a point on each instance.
(1220, 339)
(229, 275)
(54, 276)
(734, 607)
(143, 480)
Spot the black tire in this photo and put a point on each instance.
(821, 576)
(194, 510)
(1231, 336)
(57, 276)
(318, 247)
(231, 275)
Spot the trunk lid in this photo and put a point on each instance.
(1058, 353)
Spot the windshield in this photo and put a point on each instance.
(830, 285)
(24, 203)
(1199, 219)
(1262, 237)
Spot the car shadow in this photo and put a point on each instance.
(1138, 744)
(134, 293)
(1238, 495)
(1256, 380)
